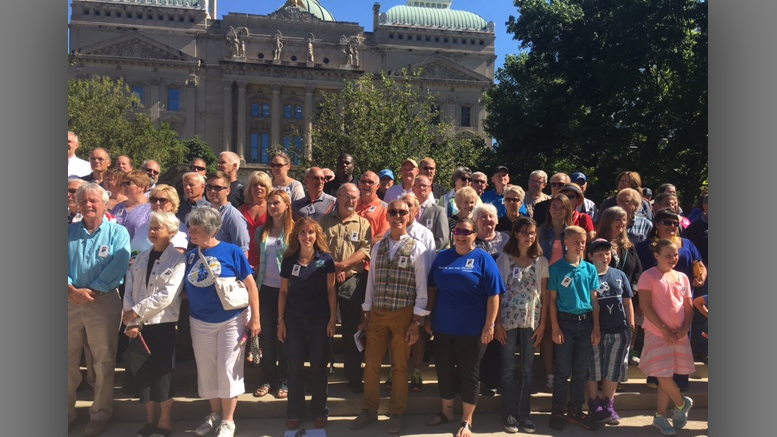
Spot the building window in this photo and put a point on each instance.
(466, 116)
(260, 148)
(298, 113)
(293, 147)
(265, 110)
(254, 109)
(287, 111)
(260, 110)
(138, 91)
(173, 99)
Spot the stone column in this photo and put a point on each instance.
(309, 89)
(241, 119)
(190, 102)
(227, 132)
(275, 115)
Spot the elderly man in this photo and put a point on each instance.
(98, 258)
(538, 180)
(557, 181)
(500, 178)
(371, 207)
(124, 163)
(394, 310)
(194, 194)
(431, 215)
(76, 167)
(349, 237)
(234, 228)
(588, 206)
(479, 182)
(316, 204)
(408, 172)
(152, 169)
(100, 162)
(386, 181)
(429, 168)
(229, 164)
(343, 174)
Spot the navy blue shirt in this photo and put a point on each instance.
(308, 295)
(613, 287)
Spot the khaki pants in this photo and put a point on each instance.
(387, 329)
(95, 324)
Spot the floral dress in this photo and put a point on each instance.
(520, 305)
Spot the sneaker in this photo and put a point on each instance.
(662, 423)
(364, 418)
(511, 425)
(394, 425)
(528, 426)
(226, 429)
(680, 416)
(609, 405)
(549, 384)
(576, 416)
(596, 409)
(556, 420)
(416, 381)
(389, 381)
(652, 385)
(209, 423)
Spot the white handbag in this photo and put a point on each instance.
(232, 291)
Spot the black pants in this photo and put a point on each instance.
(350, 316)
(463, 352)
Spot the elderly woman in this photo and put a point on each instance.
(638, 227)
(630, 179)
(513, 198)
(255, 209)
(163, 198)
(466, 200)
(152, 302)
(218, 335)
(112, 183)
(464, 288)
(462, 177)
(280, 164)
(133, 212)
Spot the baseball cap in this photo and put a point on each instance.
(647, 192)
(386, 172)
(500, 168)
(599, 242)
(578, 176)
(412, 161)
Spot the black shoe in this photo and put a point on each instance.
(556, 420)
(356, 387)
(577, 417)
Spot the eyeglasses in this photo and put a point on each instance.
(276, 165)
(421, 186)
(398, 212)
(464, 232)
(151, 171)
(527, 234)
(512, 199)
(570, 195)
(160, 200)
(466, 179)
(127, 183)
(427, 168)
(319, 178)
(667, 222)
(216, 188)
(557, 184)
(72, 190)
(198, 168)
(478, 181)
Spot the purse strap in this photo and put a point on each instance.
(204, 261)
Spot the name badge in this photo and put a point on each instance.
(295, 270)
(517, 273)
(103, 251)
(403, 262)
(191, 258)
(166, 274)
(320, 263)
(354, 236)
(469, 264)
(311, 209)
(372, 208)
(429, 223)
(279, 243)
(567, 280)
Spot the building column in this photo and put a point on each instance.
(275, 115)
(309, 89)
(241, 119)
(227, 132)
(190, 102)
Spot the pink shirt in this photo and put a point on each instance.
(667, 299)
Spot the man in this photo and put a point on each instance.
(329, 175)
(98, 258)
(199, 165)
(343, 174)
(234, 227)
(431, 215)
(500, 178)
(371, 207)
(124, 163)
(386, 177)
(100, 162)
(194, 194)
(538, 180)
(394, 310)
(408, 171)
(557, 181)
(73, 216)
(588, 206)
(429, 168)
(317, 203)
(349, 236)
(479, 182)
(152, 169)
(229, 164)
(76, 167)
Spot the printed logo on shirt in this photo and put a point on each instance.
(604, 288)
(354, 236)
(198, 274)
(167, 273)
(319, 263)
(279, 243)
(311, 209)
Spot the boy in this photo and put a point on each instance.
(616, 321)
(574, 314)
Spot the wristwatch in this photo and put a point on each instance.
(417, 322)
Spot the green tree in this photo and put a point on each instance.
(607, 86)
(104, 112)
(382, 120)
(197, 148)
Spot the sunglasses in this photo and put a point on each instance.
(160, 200)
(276, 165)
(153, 172)
(198, 168)
(217, 188)
(464, 232)
(557, 184)
(512, 199)
(466, 179)
(398, 212)
(669, 223)
(72, 190)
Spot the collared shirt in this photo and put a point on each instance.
(346, 237)
(77, 167)
(234, 228)
(573, 285)
(416, 260)
(529, 203)
(99, 260)
(188, 206)
(395, 192)
(315, 209)
(496, 199)
(375, 214)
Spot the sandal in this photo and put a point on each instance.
(146, 431)
(463, 426)
(262, 391)
(438, 419)
(283, 392)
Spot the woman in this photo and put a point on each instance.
(133, 212)
(308, 301)
(630, 179)
(218, 334)
(112, 184)
(255, 210)
(163, 198)
(638, 227)
(521, 321)
(575, 195)
(464, 288)
(513, 198)
(272, 240)
(462, 177)
(280, 164)
(488, 238)
(612, 227)
(466, 200)
(152, 302)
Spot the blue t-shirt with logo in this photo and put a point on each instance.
(226, 260)
(614, 286)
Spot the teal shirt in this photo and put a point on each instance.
(99, 260)
(575, 296)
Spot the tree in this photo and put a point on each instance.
(383, 120)
(104, 112)
(608, 86)
(197, 148)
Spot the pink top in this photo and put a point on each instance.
(667, 299)
(558, 252)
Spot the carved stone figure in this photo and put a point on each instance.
(311, 55)
(278, 46)
(236, 41)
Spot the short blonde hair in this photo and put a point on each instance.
(263, 179)
(574, 231)
(517, 190)
(172, 194)
(465, 193)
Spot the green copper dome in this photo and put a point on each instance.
(312, 6)
(434, 17)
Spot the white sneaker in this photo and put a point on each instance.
(209, 423)
(226, 429)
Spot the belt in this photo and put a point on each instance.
(570, 316)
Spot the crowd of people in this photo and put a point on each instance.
(463, 276)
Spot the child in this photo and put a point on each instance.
(522, 317)
(609, 361)
(574, 313)
(665, 298)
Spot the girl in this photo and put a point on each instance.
(521, 320)
(665, 298)
(308, 302)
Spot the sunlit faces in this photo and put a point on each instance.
(345, 165)
(601, 257)
(557, 210)
(131, 189)
(91, 205)
(315, 180)
(197, 235)
(527, 235)
(199, 166)
(225, 165)
(72, 187)
(556, 182)
(368, 184)
(460, 237)
(667, 229)
(99, 160)
(160, 202)
(398, 214)
(667, 257)
(385, 183)
(409, 172)
(193, 188)
(487, 222)
(575, 244)
(306, 235)
(627, 202)
(573, 197)
(512, 203)
(72, 144)
(500, 179)
(276, 207)
(466, 207)
(618, 225)
(258, 190)
(158, 233)
(124, 163)
(279, 166)
(537, 184)
(428, 168)
(217, 190)
(347, 198)
(422, 187)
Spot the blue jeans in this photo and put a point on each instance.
(307, 335)
(572, 359)
(516, 397)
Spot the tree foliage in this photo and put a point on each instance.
(104, 112)
(603, 86)
(382, 120)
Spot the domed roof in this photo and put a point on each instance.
(435, 17)
(312, 6)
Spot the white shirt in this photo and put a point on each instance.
(425, 236)
(77, 167)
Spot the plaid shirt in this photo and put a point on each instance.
(395, 283)
(639, 229)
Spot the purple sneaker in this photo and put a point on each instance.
(609, 405)
(597, 411)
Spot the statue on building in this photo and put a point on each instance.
(350, 51)
(236, 41)
(278, 46)
(311, 55)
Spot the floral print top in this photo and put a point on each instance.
(520, 305)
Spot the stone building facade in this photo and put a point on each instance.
(248, 82)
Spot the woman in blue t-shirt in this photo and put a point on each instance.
(307, 317)
(464, 288)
